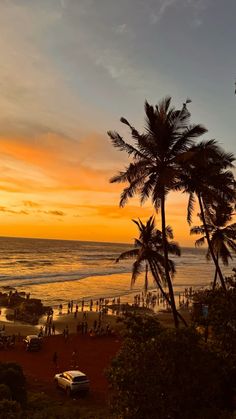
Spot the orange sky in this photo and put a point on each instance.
(69, 70)
(55, 187)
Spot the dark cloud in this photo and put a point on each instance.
(56, 212)
(10, 211)
(53, 212)
(31, 204)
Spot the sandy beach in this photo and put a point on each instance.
(65, 319)
(94, 354)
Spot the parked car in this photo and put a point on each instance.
(33, 343)
(72, 382)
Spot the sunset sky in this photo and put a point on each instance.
(69, 70)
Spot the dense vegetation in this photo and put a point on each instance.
(219, 320)
(12, 383)
(167, 373)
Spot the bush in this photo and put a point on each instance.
(12, 376)
(221, 316)
(10, 410)
(166, 374)
(5, 392)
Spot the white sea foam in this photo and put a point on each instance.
(58, 270)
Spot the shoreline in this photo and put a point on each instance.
(69, 315)
(69, 320)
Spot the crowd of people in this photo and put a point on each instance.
(49, 328)
(153, 300)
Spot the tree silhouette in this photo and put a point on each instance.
(155, 170)
(222, 235)
(205, 175)
(148, 255)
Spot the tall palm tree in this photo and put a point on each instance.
(154, 169)
(222, 235)
(148, 255)
(205, 175)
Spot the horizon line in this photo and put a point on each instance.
(78, 240)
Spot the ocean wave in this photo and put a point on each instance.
(47, 278)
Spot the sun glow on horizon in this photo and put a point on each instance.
(82, 67)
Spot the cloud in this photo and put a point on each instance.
(11, 211)
(31, 204)
(32, 210)
(38, 98)
(55, 212)
(198, 7)
(120, 29)
(160, 10)
(50, 162)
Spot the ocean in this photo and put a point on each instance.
(61, 270)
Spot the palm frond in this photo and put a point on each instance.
(231, 244)
(169, 232)
(200, 242)
(197, 230)
(174, 248)
(190, 208)
(186, 139)
(136, 271)
(127, 255)
(119, 143)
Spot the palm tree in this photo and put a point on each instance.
(154, 169)
(204, 175)
(148, 255)
(222, 235)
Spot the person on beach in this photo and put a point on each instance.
(40, 335)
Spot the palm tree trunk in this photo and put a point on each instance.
(156, 277)
(215, 278)
(167, 273)
(209, 244)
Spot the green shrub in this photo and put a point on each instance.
(5, 392)
(166, 374)
(11, 375)
(10, 409)
(221, 316)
